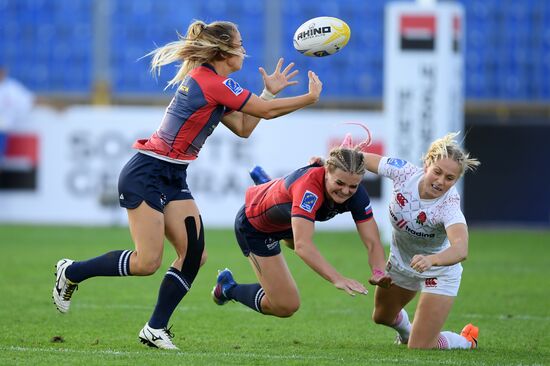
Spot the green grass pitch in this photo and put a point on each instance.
(505, 291)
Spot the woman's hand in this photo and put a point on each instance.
(351, 286)
(316, 160)
(421, 263)
(380, 278)
(315, 85)
(279, 80)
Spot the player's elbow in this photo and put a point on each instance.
(268, 111)
(269, 114)
(244, 133)
(243, 129)
(299, 250)
(462, 255)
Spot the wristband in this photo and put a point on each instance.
(378, 272)
(267, 95)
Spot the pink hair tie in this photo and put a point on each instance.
(378, 272)
(348, 142)
(362, 146)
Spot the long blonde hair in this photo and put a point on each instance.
(448, 147)
(202, 43)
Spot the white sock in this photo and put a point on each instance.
(450, 340)
(402, 325)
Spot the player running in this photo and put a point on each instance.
(287, 208)
(152, 185)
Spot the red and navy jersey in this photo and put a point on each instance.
(196, 109)
(271, 206)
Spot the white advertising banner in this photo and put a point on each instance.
(423, 85)
(80, 152)
(423, 77)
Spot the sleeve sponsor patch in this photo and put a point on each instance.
(308, 201)
(233, 86)
(398, 163)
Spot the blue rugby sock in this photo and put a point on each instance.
(173, 288)
(250, 295)
(115, 263)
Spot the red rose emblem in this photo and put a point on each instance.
(421, 218)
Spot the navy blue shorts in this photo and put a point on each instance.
(260, 243)
(155, 181)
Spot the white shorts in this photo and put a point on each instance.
(446, 283)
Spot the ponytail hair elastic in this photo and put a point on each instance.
(347, 143)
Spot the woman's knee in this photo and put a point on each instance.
(285, 310)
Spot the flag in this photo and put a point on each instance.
(417, 32)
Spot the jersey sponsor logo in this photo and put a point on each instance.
(308, 201)
(430, 282)
(233, 86)
(418, 233)
(401, 200)
(394, 217)
(421, 218)
(398, 163)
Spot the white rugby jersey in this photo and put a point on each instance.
(418, 224)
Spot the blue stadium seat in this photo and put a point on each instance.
(507, 47)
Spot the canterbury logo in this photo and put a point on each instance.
(401, 200)
(431, 282)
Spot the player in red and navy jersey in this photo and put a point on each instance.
(287, 208)
(152, 185)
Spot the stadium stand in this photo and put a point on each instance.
(48, 44)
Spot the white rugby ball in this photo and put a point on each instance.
(321, 36)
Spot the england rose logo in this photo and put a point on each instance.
(421, 218)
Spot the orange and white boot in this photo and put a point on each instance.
(470, 332)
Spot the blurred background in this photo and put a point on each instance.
(79, 53)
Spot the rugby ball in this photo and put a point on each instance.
(321, 36)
